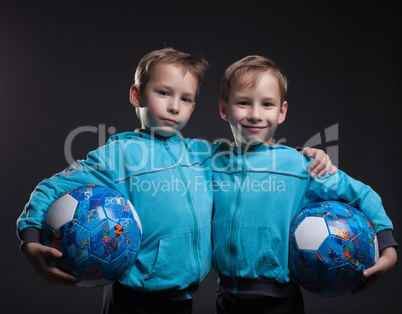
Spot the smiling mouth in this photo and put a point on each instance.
(254, 127)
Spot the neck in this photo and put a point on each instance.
(154, 134)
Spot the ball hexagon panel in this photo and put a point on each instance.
(311, 233)
(62, 211)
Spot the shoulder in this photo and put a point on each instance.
(204, 145)
(120, 143)
(284, 159)
(279, 152)
(126, 139)
(290, 154)
(284, 149)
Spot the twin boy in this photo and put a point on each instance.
(249, 228)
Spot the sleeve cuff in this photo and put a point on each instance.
(386, 239)
(30, 234)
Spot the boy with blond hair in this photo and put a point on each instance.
(159, 171)
(259, 187)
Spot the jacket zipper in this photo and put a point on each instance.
(233, 230)
(193, 211)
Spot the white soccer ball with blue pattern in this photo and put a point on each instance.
(97, 230)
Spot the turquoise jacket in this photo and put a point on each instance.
(256, 196)
(166, 183)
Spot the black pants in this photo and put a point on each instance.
(228, 303)
(118, 299)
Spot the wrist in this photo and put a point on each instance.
(29, 235)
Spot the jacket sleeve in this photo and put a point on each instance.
(93, 170)
(342, 187)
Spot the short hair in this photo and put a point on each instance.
(194, 64)
(256, 65)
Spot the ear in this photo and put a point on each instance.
(282, 112)
(223, 109)
(135, 95)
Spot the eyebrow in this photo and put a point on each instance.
(189, 94)
(270, 99)
(162, 85)
(247, 98)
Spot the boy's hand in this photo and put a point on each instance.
(41, 258)
(381, 268)
(321, 163)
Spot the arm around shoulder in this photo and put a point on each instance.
(321, 164)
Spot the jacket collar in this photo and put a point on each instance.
(254, 149)
(143, 134)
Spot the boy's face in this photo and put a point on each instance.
(167, 101)
(254, 113)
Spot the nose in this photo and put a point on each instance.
(173, 106)
(254, 114)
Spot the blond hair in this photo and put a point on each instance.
(195, 65)
(256, 65)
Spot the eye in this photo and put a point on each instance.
(163, 93)
(187, 100)
(267, 104)
(242, 103)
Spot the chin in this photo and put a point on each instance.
(165, 131)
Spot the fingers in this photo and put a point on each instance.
(59, 278)
(56, 281)
(384, 264)
(42, 259)
(327, 166)
(333, 170)
(374, 278)
(371, 271)
(54, 253)
(56, 276)
(62, 276)
(380, 269)
(321, 165)
(309, 152)
(53, 274)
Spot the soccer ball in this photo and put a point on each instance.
(331, 244)
(97, 230)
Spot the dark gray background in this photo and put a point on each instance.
(66, 64)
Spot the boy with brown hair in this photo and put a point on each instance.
(258, 189)
(159, 171)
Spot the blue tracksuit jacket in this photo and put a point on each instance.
(256, 196)
(166, 183)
